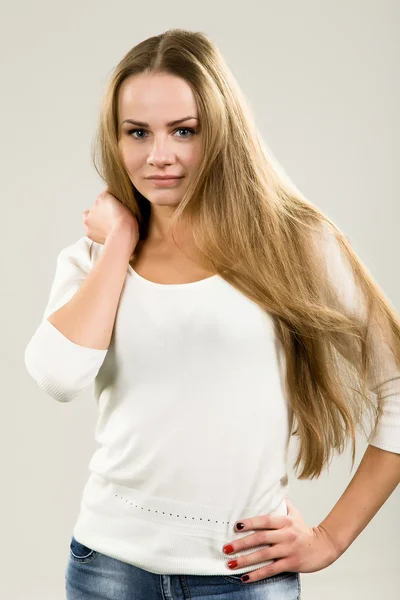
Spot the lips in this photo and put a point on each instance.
(163, 177)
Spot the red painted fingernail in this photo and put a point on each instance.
(228, 549)
(245, 578)
(232, 564)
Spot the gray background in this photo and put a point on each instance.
(322, 79)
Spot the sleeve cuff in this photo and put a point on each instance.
(61, 367)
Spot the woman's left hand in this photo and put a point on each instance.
(296, 546)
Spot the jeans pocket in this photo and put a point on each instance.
(81, 553)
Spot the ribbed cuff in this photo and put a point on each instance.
(60, 367)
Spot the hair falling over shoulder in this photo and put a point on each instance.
(252, 226)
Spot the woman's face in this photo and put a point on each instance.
(156, 147)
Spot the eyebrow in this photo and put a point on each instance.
(170, 124)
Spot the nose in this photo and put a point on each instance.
(161, 153)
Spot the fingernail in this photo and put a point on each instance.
(232, 564)
(239, 525)
(245, 578)
(228, 549)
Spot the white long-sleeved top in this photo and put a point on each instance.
(193, 422)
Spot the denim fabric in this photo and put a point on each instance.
(91, 575)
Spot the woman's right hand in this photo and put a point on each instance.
(106, 214)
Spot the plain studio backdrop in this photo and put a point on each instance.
(322, 79)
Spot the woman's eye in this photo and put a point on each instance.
(192, 131)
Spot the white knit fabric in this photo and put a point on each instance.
(193, 422)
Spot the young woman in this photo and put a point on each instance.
(217, 312)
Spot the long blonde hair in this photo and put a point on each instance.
(259, 235)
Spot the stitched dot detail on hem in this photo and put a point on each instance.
(171, 514)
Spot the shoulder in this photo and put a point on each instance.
(78, 253)
(331, 243)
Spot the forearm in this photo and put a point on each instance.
(376, 478)
(88, 318)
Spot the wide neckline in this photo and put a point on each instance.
(172, 285)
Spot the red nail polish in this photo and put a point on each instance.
(228, 549)
(245, 578)
(232, 564)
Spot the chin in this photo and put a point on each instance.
(160, 201)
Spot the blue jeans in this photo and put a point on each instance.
(91, 575)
